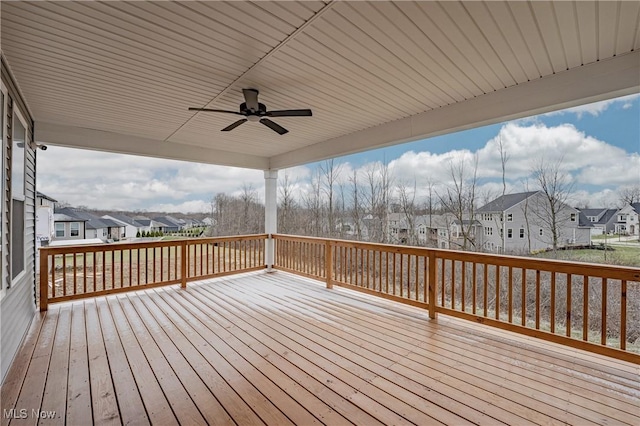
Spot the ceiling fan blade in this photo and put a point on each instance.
(274, 126)
(215, 110)
(290, 113)
(251, 98)
(232, 126)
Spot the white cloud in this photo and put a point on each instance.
(596, 108)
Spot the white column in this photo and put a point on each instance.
(270, 214)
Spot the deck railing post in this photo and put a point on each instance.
(328, 256)
(431, 282)
(44, 281)
(183, 264)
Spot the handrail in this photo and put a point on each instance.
(74, 272)
(582, 305)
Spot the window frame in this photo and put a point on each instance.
(509, 233)
(4, 99)
(521, 232)
(55, 226)
(77, 230)
(509, 217)
(22, 197)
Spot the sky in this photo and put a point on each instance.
(599, 144)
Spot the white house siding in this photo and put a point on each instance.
(569, 232)
(17, 297)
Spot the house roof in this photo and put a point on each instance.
(374, 73)
(124, 218)
(168, 221)
(593, 212)
(61, 217)
(46, 197)
(636, 207)
(92, 221)
(505, 202)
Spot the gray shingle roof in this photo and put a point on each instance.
(505, 202)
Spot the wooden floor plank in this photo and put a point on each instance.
(277, 349)
(155, 401)
(211, 409)
(130, 405)
(233, 403)
(17, 373)
(183, 407)
(79, 389)
(287, 409)
(613, 407)
(361, 377)
(592, 415)
(273, 369)
(104, 407)
(407, 380)
(54, 399)
(35, 380)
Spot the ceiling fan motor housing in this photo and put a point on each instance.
(262, 109)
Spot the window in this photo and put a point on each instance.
(59, 230)
(18, 196)
(509, 233)
(541, 232)
(509, 217)
(521, 232)
(593, 219)
(574, 217)
(488, 230)
(622, 218)
(75, 229)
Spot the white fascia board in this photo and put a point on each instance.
(594, 82)
(99, 140)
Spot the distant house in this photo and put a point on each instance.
(68, 227)
(626, 220)
(169, 224)
(44, 219)
(601, 220)
(518, 223)
(94, 226)
(130, 226)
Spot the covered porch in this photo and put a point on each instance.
(276, 348)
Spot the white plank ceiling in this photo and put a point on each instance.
(119, 76)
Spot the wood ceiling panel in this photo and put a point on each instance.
(503, 17)
(498, 48)
(607, 14)
(565, 13)
(627, 26)
(135, 67)
(587, 28)
(547, 25)
(527, 25)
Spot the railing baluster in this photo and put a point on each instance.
(453, 284)
(497, 304)
(442, 283)
(553, 302)
(585, 307)
(64, 274)
(568, 317)
(603, 319)
(510, 297)
(433, 276)
(623, 315)
(75, 275)
(84, 271)
(523, 300)
(474, 285)
(44, 278)
(485, 294)
(464, 286)
(538, 305)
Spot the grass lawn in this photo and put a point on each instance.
(619, 255)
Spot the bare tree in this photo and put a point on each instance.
(556, 187)
(313, 205)
(459, 198)
(376, 198)
(630, 195)
(406, 199)
(288, 207)
(356, 205)
(330, 172)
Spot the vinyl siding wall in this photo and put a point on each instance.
(17, 306)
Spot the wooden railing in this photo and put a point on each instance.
(74, 272)
(586, 306)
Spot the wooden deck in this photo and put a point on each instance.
(279, 349)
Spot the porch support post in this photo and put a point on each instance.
(270, 215)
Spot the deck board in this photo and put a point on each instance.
(278, 349)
